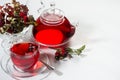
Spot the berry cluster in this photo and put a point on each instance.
(61, 53)
(64, 52)
(14, 17)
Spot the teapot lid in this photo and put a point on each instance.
(52, 16)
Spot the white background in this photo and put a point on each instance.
(99, 30)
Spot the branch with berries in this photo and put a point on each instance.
(14, 17)
(62, 53)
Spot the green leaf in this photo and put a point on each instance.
(79, 51)
(81, 48)
(69, 50)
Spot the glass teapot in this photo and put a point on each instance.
(53, 28)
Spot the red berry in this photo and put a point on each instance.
(2, 22)
(61, 53)
(2, 15)
(1, 7)
(22, 14)
(25, 18)
(10, 13)
(57, 53)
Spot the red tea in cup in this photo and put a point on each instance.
(24, 55)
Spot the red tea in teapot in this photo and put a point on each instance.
(53, 28)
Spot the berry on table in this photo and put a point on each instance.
(64, 52)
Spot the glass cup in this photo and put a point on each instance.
(24, 60)
(24, 56)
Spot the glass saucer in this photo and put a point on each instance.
(38, 72)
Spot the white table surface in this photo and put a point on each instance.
(99, 30)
